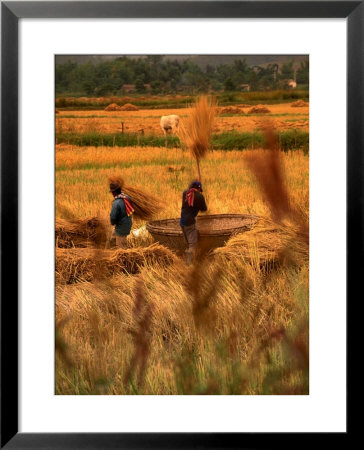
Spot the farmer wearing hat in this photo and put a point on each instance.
(192, 202)
(121, 214)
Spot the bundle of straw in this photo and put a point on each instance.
(268, 242)
(145, 205)
(197, 130)
(84, 264)
(87, 232)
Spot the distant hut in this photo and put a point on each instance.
(244, 87)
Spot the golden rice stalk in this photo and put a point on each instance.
(267, 242)
(196, 131)
(268, 169)
(84, 264)
(145, 205)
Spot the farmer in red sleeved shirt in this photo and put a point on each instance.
(192, 202)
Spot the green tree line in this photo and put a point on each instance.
(163, 76)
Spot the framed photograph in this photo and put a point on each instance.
(181, 197)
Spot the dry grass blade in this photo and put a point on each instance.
(275, 240)
(60, 345)
(267, 167)
(142, 313)
(196, 131)
(203, 290)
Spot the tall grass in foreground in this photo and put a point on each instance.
(245, 334)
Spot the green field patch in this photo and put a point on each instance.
(287, 140)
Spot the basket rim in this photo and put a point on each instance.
(157, 227)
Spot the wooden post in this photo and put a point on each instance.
(295, 138)
(113, 141)
(122, 127)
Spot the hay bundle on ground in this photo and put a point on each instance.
(299, 104)
(145, 205)
(84, 264)
(113, 107)
(57, 112)
(129, 107)
(231, 110)
(197, 130)
(259, 109)
(268, 242)
(174, 169)
(88, 232)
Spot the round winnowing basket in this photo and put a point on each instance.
(214, 230)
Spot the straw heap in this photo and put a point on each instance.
(84, 264)
(268, 242)
(88, 232)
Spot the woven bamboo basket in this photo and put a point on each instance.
(214, 230)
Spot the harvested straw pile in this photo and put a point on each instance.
(88, 232)
(299, 104)
(145, 205)
(197, 130)
(268, 242)
(129, 107)
(83, 264)
(113, 107)
(231, 110)
(259, 109)
(57, 112)
(174, 169)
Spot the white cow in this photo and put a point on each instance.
(169, 124)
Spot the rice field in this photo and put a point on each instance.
(283, 116)
(235, 323)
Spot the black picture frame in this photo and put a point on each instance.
(11, 12)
